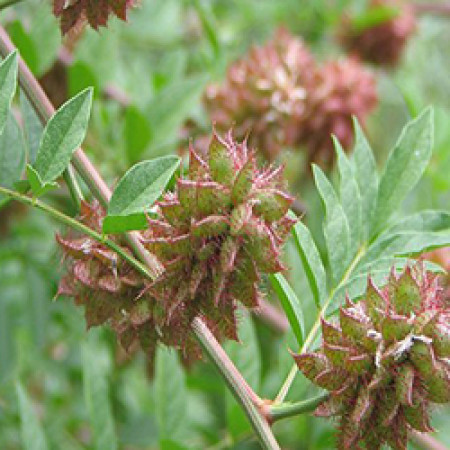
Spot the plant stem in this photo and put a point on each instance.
(69, 221)
(312, 334)
(284, 410)
(100, 190)
(238, 386)
(84, 167)
(45, 109)
(8, 3)
(74, 188)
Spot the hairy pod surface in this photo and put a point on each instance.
(220, 229)
(385, 362)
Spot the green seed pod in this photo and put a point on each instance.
(392, 349)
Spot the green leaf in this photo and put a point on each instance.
(404, 167)
(37, 186)
(406, 243)
(335, 228)
(32, 435)
(349, 196)
(136, 193)
(32, 125)
(62, 135)
(412, 235)
(137, 133)
(96, 395)
(170, 395)
(291, 305)
(366, 177)
(8, 80)
(312, 262)
(428, 220)
(12, 154)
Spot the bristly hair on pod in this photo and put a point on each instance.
(264, 93)
(216, 234)
(281, 97)
(385, 362)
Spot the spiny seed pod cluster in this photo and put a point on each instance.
(281, 97)
(215, 235)
(385, 362)
(382, 43)
(264, 93)
(74, 13)
(340, 89)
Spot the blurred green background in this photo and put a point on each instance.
(64, 388)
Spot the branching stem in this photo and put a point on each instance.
(80, 161)
(44, 109)
(238, 386)
(78, 226)
(285, 410)
(243, 393)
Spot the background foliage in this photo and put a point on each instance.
(51, 393)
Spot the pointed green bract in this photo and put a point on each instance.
(243, 182)
(395, 328)
(407, 297)
(220, 163)
(211, 253)
(382, 363)
(418, 418)
(353, 327)
(272, 204)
